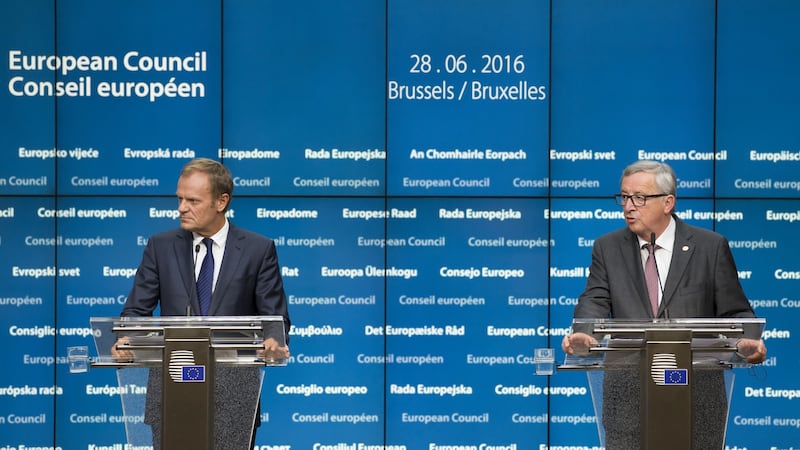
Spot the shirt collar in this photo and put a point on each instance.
(219, 237)
(667, 239)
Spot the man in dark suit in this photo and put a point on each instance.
(696, 278)
(244, 278)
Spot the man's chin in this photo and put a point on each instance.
(635, 227)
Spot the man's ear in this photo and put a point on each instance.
(223, 201)
(669, 203)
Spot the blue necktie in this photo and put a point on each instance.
(205, 281)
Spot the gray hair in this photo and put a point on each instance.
(664, 175)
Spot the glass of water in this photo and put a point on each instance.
(78, 359)
(544, 358)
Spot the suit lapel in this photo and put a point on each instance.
(632, 258)
(682, 252)
(185, 257)
(230, 264)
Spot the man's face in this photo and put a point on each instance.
(654, 216)
(199, 211)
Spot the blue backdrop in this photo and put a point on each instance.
(431, 167)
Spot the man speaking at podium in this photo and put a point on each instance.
(660, 267)
(206, 267)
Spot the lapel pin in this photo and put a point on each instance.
(685, 248)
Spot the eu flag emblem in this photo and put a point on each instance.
(193, 374)
(676, 376)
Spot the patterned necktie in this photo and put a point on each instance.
(651, 276)
(205, 281)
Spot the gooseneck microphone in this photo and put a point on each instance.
(194, 264)
(658, 275)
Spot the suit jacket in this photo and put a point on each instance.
(702, 281)
(249, 281)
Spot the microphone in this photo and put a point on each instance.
(658, 275)
(194, 264)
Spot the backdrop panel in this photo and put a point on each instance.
(433, 174)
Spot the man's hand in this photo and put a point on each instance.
(752, 350)
(577, 343)
(121, 354)
(272, 350)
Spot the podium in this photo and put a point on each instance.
(665, 363)
(202, 376)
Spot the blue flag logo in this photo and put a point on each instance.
(665, 372)
(193, 374)
(676, 376)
